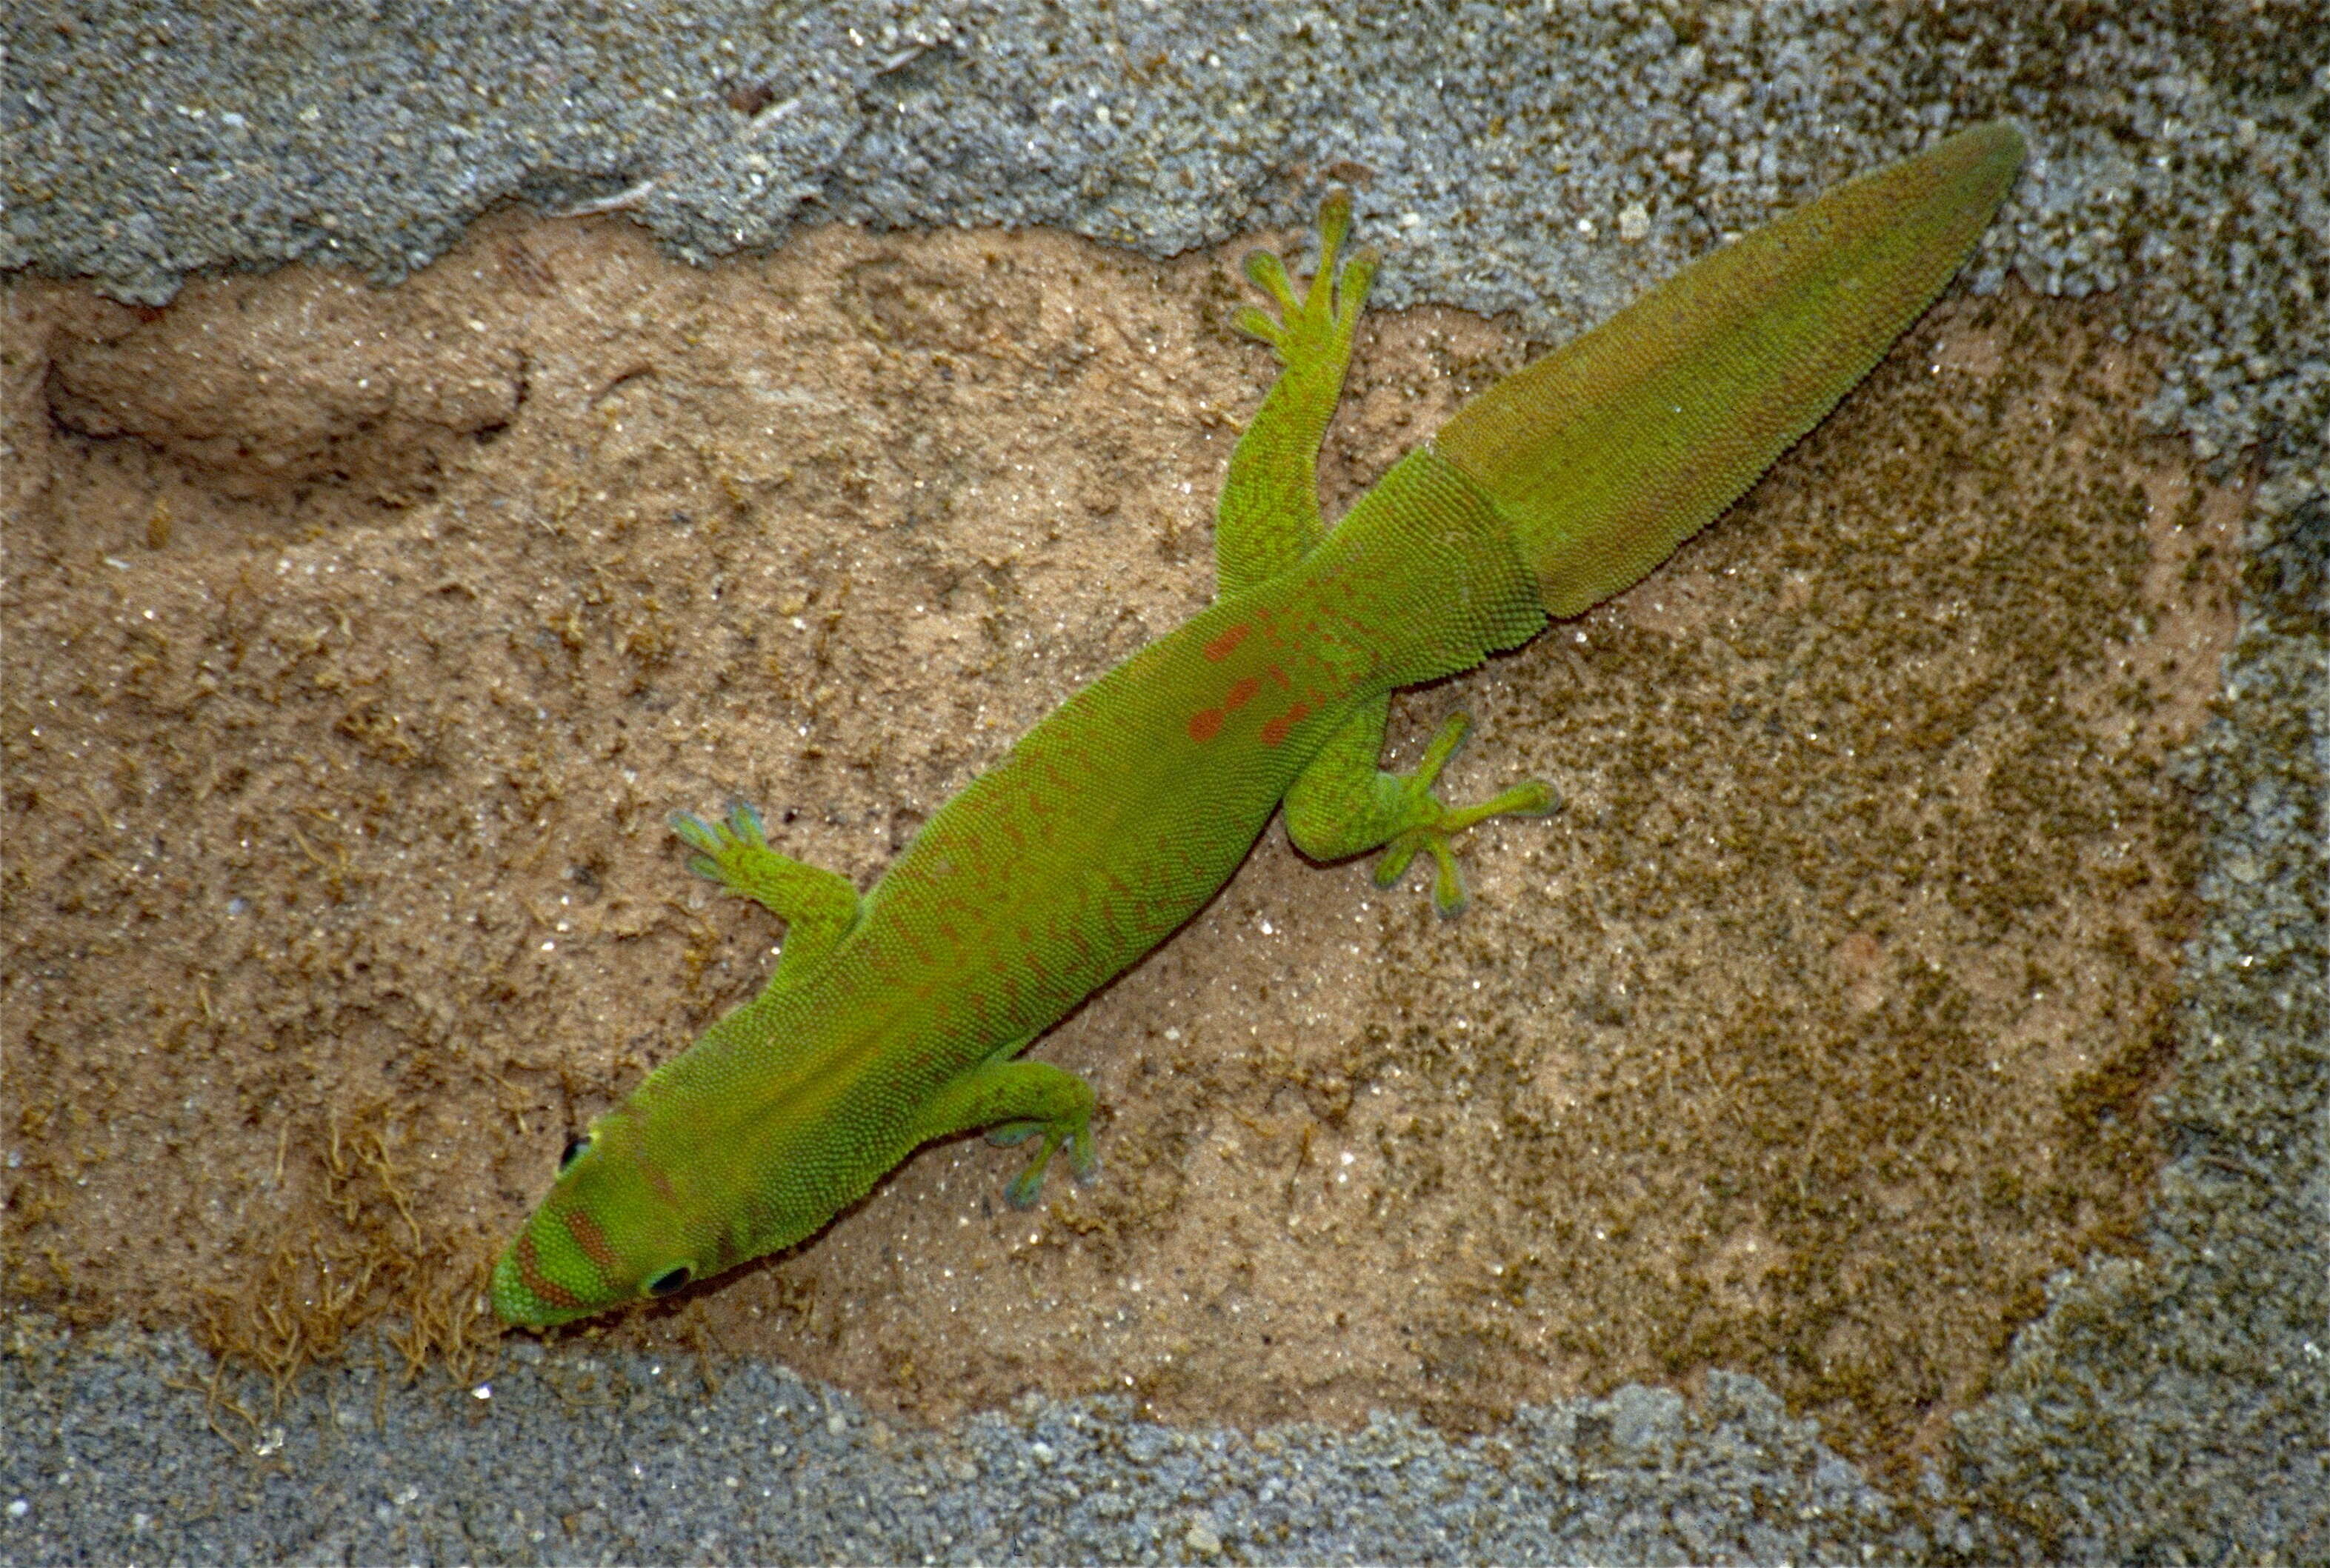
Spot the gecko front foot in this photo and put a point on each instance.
(1013, 1102)
(818, 907)
(728, 852)
(1025, 1188)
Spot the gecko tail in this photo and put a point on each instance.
(1606, 455)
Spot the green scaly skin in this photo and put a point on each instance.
(898, 1018)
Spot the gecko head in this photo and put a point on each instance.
(610, 1232)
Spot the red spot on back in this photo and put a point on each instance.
(1206, 725)
(1276, 729)
(1222, 647)
(1241, 694)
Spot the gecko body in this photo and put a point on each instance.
(898, 1018)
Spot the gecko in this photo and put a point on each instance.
(897, 1018)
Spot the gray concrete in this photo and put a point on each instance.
(2173, 1410)
(627, 1459)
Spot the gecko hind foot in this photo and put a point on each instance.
(1533, 798)
(1313, 332)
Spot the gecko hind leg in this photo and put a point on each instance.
(1531, 798)
(1312, 333)
(1342, 805)
(1267, 518)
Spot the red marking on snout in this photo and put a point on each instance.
(593, 1240)
(544, 1287)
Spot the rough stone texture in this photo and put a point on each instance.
(624, 1459)
(2169, 1408)
(2179, 1405)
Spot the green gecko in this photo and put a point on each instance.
(898, 1018)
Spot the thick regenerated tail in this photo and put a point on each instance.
(1609, 452)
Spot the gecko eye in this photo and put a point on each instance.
(670, 1279)
(574, 1148)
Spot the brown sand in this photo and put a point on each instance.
(358, 644)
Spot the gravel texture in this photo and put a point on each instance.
(622, 1459)
(2174, 1409)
